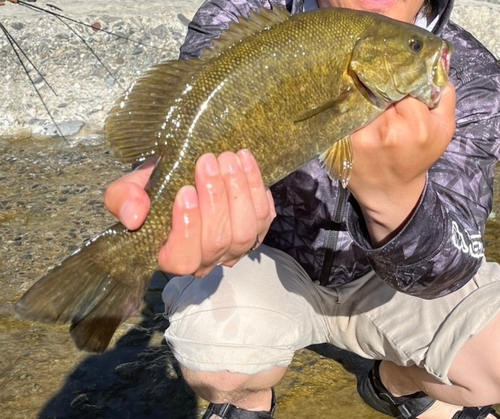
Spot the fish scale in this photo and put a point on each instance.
(288, 88)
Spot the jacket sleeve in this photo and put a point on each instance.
(214, 16)
(441, 247)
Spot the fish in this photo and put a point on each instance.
(288, 88)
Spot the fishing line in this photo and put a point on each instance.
(13, 43)
(93, 27)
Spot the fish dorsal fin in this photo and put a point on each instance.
(135, 123)
(338, 160)
(245, 27)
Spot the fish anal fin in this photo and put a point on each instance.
(338, 160)
(94, 334)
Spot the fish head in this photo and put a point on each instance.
(398, 60)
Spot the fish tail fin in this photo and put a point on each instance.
(95, 289)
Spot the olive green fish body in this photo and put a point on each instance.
(288, 88)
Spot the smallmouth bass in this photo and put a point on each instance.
(288, 88)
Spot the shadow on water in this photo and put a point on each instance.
(138, 378)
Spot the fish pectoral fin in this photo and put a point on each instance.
(332, 108)
(338, 160)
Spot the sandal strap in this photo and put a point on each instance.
(476, 413)
(229, 411)
(375, 395)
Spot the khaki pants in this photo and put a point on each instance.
(255, 315)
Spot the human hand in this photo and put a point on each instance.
(392, 156)
(216, 222)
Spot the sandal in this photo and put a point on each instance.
(375, 395)
(229, 411)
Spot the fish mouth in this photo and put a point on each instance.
(439, 81)
(438, 77)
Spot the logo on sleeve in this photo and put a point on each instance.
(471, 244)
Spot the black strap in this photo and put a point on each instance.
(229, 411)
(405, 407)
(476, 413)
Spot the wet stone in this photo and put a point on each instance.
(65, 129)
(92, 410)
(160, 31)
(63, 36)
(17, 26)
(121, 38)
(129, 370)
(79, 400)
(183, 19)
(137, 51)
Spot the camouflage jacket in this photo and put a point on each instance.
(441, 246)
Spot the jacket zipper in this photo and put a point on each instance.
(333, 237)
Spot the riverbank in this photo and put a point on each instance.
(79, 86)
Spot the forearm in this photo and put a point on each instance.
(386, 212)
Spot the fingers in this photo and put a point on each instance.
(126, 199)
(427, 121)
(444, 113)
(216, 234)
(218, 222)
(215, 223)
(182, 252)
(261, 195)
(249, 203)
(392, 157)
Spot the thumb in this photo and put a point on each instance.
(126, 198)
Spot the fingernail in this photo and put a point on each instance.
(228, 163)
(247, 160)
(189, 197)
(129, 215)
(210, 165)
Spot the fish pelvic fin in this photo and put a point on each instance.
(338, 160)
(90, 291)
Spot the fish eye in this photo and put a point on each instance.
(416, 44)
